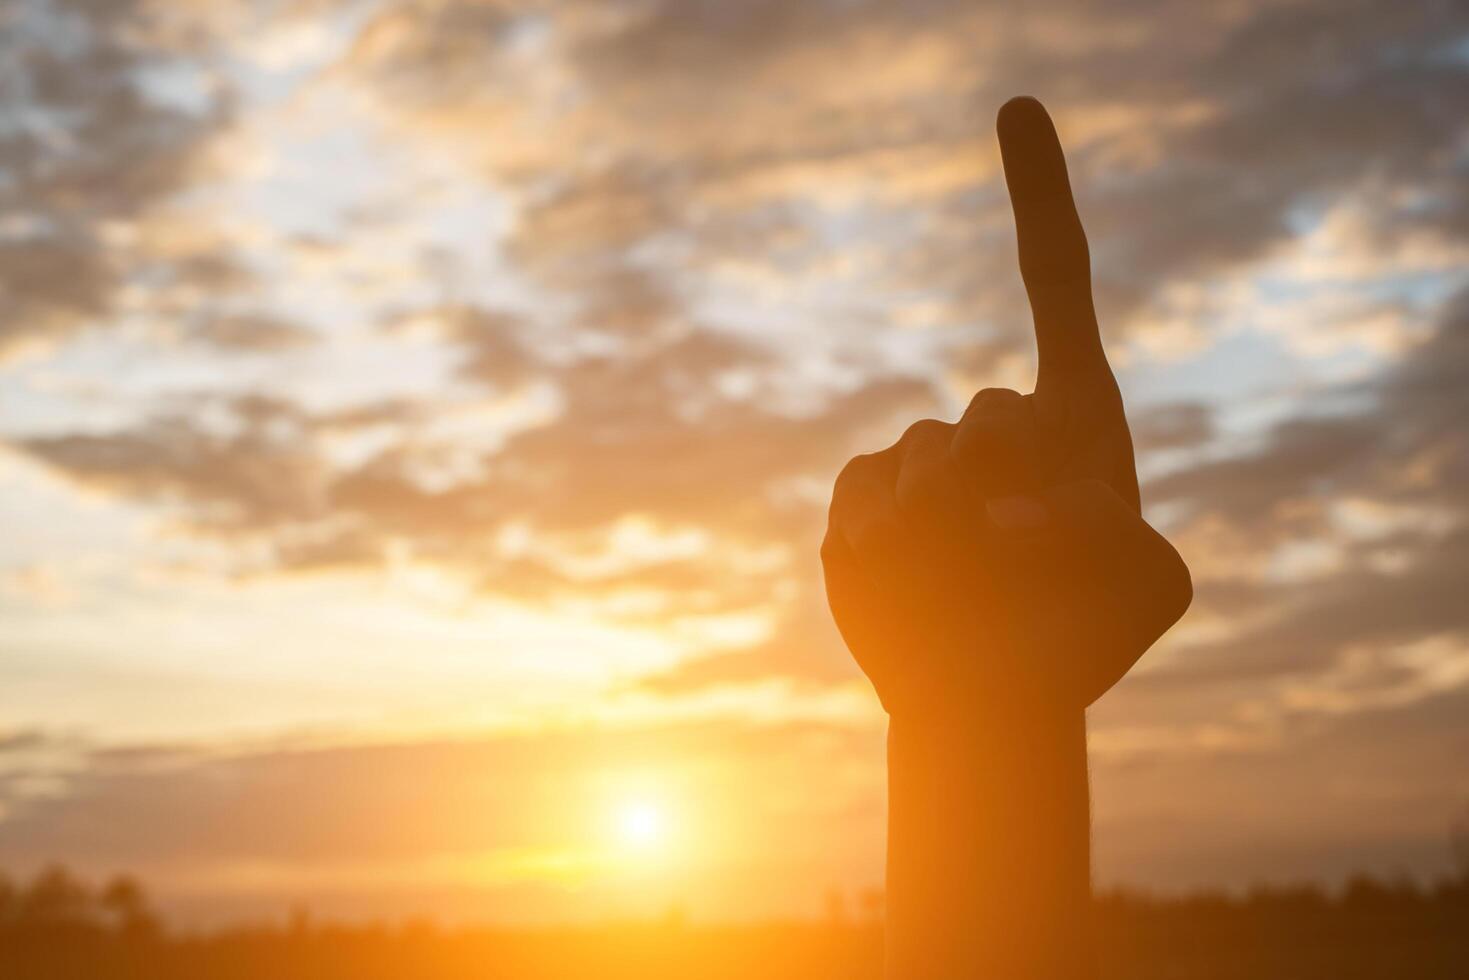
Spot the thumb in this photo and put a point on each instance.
(1124, 584)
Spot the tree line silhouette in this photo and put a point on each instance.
(56, 925)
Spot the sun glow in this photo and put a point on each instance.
(640, 824)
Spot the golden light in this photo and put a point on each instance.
(640, 824)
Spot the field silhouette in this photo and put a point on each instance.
(56, 926)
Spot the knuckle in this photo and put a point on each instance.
(862, 497)
(925, 430)
(922, 485)
(920, 481)
(996, 425)
(992, 400)
(917, 495)
(972, 443)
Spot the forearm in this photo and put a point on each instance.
(988, 847)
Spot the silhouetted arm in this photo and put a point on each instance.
(993, 577)
(988, 850)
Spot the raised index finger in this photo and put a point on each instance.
(1054, 260)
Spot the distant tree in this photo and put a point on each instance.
(125, 901)
(1294, 900)
(1459, 845)
(55, 898)
(1365, 894)
(8, 900)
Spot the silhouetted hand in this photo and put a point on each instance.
(1002, 561)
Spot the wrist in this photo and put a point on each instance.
(1015, 721)
(988, 842)
(1020, 760)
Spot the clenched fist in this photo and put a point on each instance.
(1002, 561)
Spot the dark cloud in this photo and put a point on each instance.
(21, 741)
(1319, 803)
(263, 474)
(1174, 425)
(496, 351)
(1412, 417)
(1311, 626)
(1305, 458)
(1403, 453)
(84, 147)
(245, 332)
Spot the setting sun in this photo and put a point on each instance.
(640, 824)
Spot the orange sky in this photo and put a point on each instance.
(416, 422)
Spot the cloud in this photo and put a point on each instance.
(1405, 444)
(260, 475)
(803, 645)
(637, 435)
(1378, 491)
(664, 217)
(247, 332)
(771, 166)
(1317, 802)
(704, 120)
(87, 149)
(1173, 425)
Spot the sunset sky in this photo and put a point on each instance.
(417, 421)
